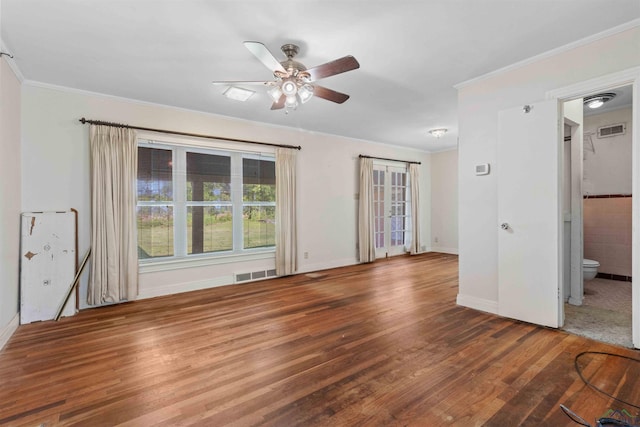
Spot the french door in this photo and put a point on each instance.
(391, 209)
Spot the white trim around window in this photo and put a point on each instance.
(181, 259)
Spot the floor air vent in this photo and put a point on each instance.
(612, 130)
(254, 275)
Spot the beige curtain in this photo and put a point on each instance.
(286, 233)
(414, 182)
(114, 261)
(367, 248)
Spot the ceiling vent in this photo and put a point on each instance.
(612, 130)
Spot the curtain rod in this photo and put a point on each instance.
(364, 156)
(119, 125)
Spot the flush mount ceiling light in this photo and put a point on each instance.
(438, 132)
(294, 84)
(238, 94)
(597, 101)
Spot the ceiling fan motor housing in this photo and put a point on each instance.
(292, 67)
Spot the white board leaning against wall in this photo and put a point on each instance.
(47, 265)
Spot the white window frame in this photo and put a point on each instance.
(179, 147)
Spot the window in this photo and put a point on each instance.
(195, 202)
(258, 203)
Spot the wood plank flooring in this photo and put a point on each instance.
(382, 344)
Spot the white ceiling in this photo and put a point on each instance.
(411, 53)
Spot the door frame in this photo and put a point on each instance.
(626, 77)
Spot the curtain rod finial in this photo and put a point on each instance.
(83, 120)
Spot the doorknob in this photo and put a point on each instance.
(504, 226)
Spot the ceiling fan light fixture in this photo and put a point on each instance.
(293, 82)
(238, 93)
(438, 132)
(275, 93)
(289, 88)
(305, 93)
(291, 102)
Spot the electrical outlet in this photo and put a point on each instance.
(436, 240)
(46, 282)
(306, 255)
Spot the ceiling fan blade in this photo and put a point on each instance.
(261, 52)
(346, 63)
(280, 104)
(329, 94)
(239, 82)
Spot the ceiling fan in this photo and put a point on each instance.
(294, 83)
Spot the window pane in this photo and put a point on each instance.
(155, 231)
(209, 229)
(258, 180)
(208, 177)
(397, 238)
(155, 174)
(259, 226)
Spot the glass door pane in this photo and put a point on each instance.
(390, 209)
(379, 211)
(398, 215)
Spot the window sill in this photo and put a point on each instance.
(175, 264)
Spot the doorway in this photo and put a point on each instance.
(391, 209)
(598, 217)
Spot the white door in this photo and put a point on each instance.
(529, 214)
(391, 210)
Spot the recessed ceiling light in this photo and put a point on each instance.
(438, 132)
(597, 101)
(238, 94)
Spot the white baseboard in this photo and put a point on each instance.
(327, 265)
(478, 303)
(157, 291)
(9, 329)
(452, 251)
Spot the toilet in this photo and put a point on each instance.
(589, 269)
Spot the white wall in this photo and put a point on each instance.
(55, 175)
(479, 102)
(9, 200)
(608, 170)
(444, 201)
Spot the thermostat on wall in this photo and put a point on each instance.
(482, 169)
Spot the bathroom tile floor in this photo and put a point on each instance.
(605, 314)
(608, 294)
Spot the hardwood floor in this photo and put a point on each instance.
(378, 344)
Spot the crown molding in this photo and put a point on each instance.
(59, 88)
(11, 62)
(553, 52)
(598, 84)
